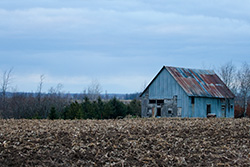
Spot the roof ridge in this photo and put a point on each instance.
(191, 68)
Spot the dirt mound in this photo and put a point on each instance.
(131, 142)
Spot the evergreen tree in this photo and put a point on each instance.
(73, 111)
(107, 111)
(52, 114)
(100, 108)
(88, 109)
(134, 108)
(119, 109)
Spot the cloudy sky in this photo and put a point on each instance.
(120, 43)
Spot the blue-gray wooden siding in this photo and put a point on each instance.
(200, 107)
(165, 87)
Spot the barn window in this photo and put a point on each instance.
(192, 100)
(152, 101)
(223, 107)
(175, 98)
(170, 111)
(160, 101)
(149, 112)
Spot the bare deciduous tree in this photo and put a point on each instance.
(6, 79)
(227, 73)
(94, 90)
(244, 83)
(56, 90)
(5, 83)
(40, 87)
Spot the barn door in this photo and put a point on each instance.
(223, 110)
(158, 113)
(208, 109)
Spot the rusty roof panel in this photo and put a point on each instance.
(203, 83)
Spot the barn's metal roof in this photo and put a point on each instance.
(195, 82)
(203, 83)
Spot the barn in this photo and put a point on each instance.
(182, 92)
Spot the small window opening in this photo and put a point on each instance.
(232, 106)
(223, 107)
(160, 101)
(152, 101)
(192, 100)
(158, 114)
(175, 98)
(149, 112)
(170, 111)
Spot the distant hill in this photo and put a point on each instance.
(76, 96)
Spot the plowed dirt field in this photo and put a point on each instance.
(127, 142)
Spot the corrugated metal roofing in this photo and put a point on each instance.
(202, 83)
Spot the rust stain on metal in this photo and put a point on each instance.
(203, 83)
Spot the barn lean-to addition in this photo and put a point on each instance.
(182, 92)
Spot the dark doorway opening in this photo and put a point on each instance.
(208, 109)
(223, 109)
(158, 114)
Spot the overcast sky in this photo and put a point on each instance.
(120, 43)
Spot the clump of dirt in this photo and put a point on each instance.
(127, 142)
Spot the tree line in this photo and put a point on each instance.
(110, 109)
(62, 106)
(55, 104)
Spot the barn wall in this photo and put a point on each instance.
(144, 104)
(165, 87)
(219, 107)
(201, 107)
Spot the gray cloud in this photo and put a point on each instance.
(117, 40)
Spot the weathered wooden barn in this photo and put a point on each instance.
(181, 92)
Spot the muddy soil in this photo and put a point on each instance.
(127, 142)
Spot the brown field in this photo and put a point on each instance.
(127, 142)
